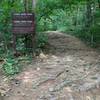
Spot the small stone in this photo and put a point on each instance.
(38, 69)
(23, 94)
(51, 89)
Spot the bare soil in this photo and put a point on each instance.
(70, 71)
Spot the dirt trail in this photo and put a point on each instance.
(71, 71)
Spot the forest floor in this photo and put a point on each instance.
(70, 71)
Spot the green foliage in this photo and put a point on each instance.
(42, 40)
(69, 16)
(95, 29)
(10, 66)
(58, 15)
(91, 35)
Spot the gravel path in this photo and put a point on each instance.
(70, 71)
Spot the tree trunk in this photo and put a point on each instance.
(26, 5)
(88, 14)
(34, 3)
(99, 3)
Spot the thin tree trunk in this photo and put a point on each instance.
(99, 3)
(26, 5)
(89, 14)
(34, 3)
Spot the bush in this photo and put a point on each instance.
(10, 66)
(42, 40)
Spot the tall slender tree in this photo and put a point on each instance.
(89, 13)
(99, 3)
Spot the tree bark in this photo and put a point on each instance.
(89, 14)
(26, 5)
(99, 3)
(34, 3)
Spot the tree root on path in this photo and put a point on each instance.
(67, 82)
(63, 84)
(41, 81)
